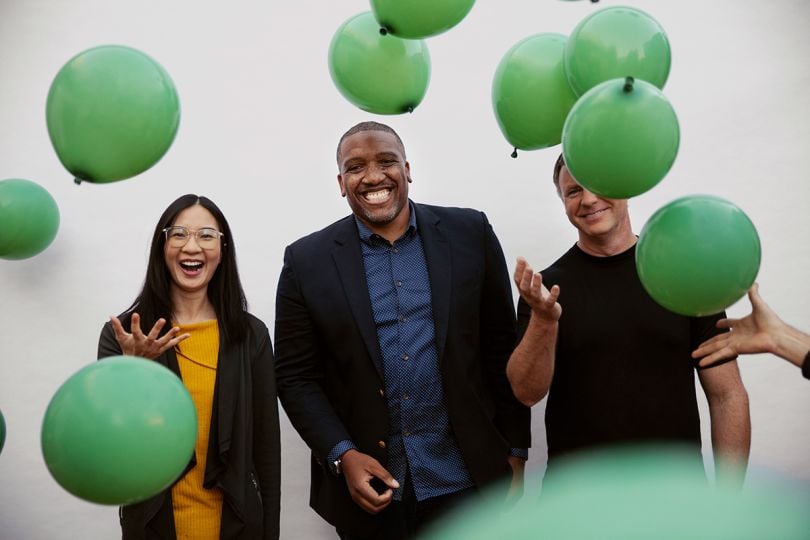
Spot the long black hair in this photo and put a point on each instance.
(224, 290)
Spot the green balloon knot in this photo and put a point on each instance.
(514, 153)
(594, 1)
(77, 181)
(383, 31)
(408, 109)
(628, 84)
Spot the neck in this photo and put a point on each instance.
(607, 245)
(395, 228)
(191, 307)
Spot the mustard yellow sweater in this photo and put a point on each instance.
(197, 511)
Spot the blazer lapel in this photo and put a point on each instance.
(349, 261)
(437, 256)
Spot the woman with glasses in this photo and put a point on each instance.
(231, 487)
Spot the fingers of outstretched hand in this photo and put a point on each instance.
(118, 328)
(155, 331)
(135, 327)
(172, 341)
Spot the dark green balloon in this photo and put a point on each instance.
(638, 494)
(112, 113)
(620, 142)
(119, 431)
(530, 94)
(416, 19)
(29, 219)
(380, 74)
(698, 255)
(617, 42)
(2, 431)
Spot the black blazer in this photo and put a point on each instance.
(243, 457)
(329, 366)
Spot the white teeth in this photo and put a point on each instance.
(193, 265)
(377, 195)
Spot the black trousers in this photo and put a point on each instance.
(408, 518)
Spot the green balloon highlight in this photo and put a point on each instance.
(416, 19)
(617, 42)
(29, 219)
(112, 113)
(698, 255)
(2, 431)
(530, 94)
(119, 431)
(621, 138)
(638, 494)
(379, 74)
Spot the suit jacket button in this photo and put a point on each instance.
(382, 393)
(381, 444)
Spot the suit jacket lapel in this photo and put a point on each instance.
(349, 261)
(437, 256)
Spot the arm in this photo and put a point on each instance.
(730, 422)
(266, 436)
(498, 338)
(761, 331)
(300, 377)
(531, 365)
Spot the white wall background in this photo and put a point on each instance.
(260, 120)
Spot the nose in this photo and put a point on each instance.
(375, 174)
(588, 198)
(192, 246)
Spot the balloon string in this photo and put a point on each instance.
(514, 153)
(628, 84)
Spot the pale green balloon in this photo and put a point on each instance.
(698, 255)
(112, 113)
(29, 219)
(416, 19)
(379, 74)
(530, 94)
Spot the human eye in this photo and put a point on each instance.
(178, 232)
(208, 235)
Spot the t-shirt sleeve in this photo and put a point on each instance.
(703, 328)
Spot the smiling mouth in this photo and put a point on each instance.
(377, 196)
(191, 268)
(595, 213)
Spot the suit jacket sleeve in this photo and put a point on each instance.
(498, 339)
(266, 437)
(299, 370)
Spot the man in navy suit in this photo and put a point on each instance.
(393, 329)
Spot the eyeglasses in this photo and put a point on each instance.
(207, 237)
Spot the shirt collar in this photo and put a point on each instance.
(368, 236)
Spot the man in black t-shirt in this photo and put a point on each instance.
(615, 365)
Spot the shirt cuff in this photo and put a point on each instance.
(338, 450)
(522, 453)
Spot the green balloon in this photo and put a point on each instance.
(617, 42)
(638, 494)
(29, 219)
(119, 431)
(380, 74)
(416, 19)
(621, 138)
(530, 94)
(2, 431)
(698, 255)
(112, 113)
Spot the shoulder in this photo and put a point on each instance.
(566, 262)
(449, 213)
(329, 233)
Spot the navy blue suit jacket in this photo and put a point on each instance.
(329, 366)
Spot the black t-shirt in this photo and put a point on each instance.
(623, 371)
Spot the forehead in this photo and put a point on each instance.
(370, 141)
(566, 180)
(195, 216)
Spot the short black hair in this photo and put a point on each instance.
(224, 290)
(368, 126)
